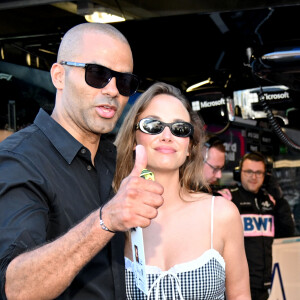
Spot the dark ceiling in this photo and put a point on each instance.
(180, 42)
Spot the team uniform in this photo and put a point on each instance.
(262, 220)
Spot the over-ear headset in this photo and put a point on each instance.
(251, 155)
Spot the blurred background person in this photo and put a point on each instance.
(214, 159)
(264, 217)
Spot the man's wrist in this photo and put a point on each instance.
(103, 226)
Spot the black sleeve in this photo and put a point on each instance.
(23, 210)
(284, 220)
(20, 245)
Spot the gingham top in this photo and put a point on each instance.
(199, 279)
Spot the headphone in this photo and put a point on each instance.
(268, 162)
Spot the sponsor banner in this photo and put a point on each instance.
(258, 225)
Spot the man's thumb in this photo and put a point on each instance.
(140, 160)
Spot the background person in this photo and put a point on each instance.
(194, 235)
(214, 159)
(264, 217)
(56, 173)
(214, 162)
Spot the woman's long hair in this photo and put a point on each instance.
(190, 173)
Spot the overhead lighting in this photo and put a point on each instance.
(103, 17)
(195, 86)
(28, 59)
(47, 51)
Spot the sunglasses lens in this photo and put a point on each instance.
(97, 76)
(151, 126)
(127, 84)
(181, 129)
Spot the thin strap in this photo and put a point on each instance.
(212, 222)
(158, 286)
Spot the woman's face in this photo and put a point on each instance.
(165, 151)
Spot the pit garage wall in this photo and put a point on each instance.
(286, 269)
(287, 172)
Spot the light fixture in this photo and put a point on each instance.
(28, 59)
(2, 53)
(103, 17)
(195, 86)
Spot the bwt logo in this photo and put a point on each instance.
(258, 225)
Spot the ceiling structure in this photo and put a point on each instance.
(175, 41)
(180, 42)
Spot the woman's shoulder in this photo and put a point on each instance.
(225, 209)
(198, 198)
(221, 205)
(206, 197)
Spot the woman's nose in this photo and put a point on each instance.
(166, 135)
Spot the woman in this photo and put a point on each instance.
(194, 236)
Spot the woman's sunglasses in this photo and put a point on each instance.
(152, 126)
(98, 77)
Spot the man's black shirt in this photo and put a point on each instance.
(48, 184)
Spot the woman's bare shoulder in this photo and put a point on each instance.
(198, 198)
(225, 209)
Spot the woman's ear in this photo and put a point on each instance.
(58, 76)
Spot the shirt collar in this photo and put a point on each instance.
(61, 139)
(258, 194)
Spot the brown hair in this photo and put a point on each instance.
(190, 173)
(253, 156)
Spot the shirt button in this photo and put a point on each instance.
(83, 151)
(89, 168)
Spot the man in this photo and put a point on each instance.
(214, 159)
(262, 217)
(55, 242)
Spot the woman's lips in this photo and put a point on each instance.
(165, 150)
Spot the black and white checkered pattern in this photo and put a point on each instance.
(200, 279)
(205, 282)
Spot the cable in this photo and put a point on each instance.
(220, 131)
(261, 23)
(274, 124)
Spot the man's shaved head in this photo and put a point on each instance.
(71, 43)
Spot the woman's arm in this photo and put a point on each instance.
(237, 272)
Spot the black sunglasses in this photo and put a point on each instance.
(98, 77)
(152, 126)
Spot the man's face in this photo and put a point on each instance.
(252, 175)
(88, 110)
(213, 165)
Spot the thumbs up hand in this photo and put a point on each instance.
(137, 201)
(140, 161)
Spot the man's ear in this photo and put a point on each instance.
(58, 76)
